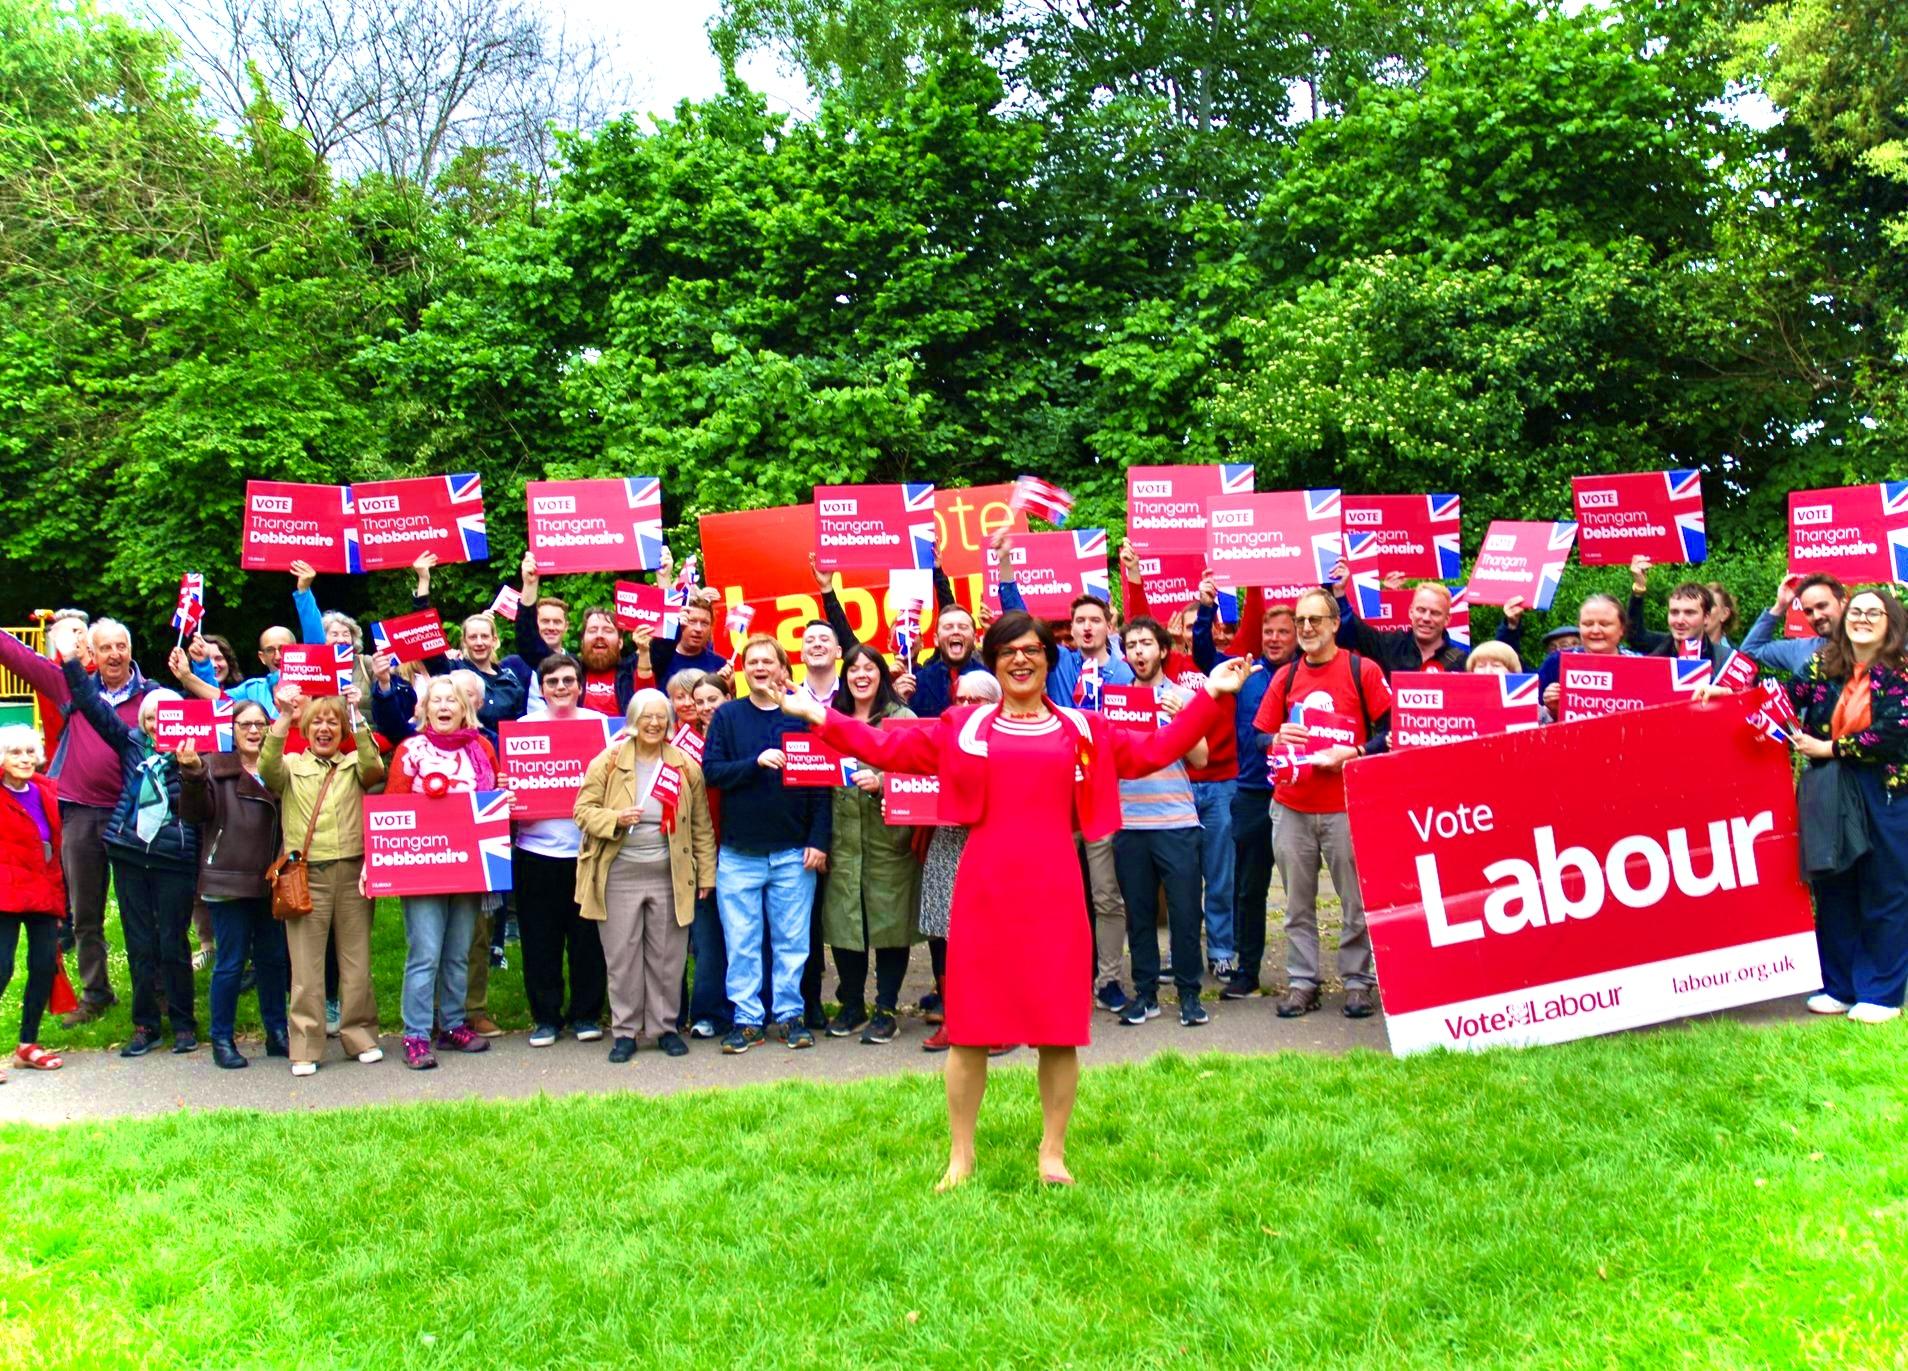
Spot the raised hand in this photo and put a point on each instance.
(1229, 677)
(305, 573)
(799, 704)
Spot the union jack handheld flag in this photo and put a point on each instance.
(739, 618)
(1086, 690)
(685, 582)
(189, 612)
(1286, 762)
(1035, 496)
(907, 633)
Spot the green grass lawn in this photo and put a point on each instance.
(1716, 1195)
(507, 1003)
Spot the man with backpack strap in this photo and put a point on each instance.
(1349, 705)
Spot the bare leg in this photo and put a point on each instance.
(966, 1083)
(1059, 1083)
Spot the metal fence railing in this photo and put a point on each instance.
(15, 691)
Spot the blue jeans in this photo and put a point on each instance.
(1214, 801)
(708, 999)
(437, 931)
(1861, 915)
(242, 929)
(770, 893)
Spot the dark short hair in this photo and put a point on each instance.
(1080, 600)
(601, 612)
(1694, 590)
(1017, 623)
(821, 623)
(1146, 623)
(1826, 581)
(556, 662)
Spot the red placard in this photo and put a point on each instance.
(400, 520)
(543, 760)
(1598, 685)
(1521, 559)
(1654, 514)
(317, 668)
(206, 724)
(1134, 708)
(288, 522)
(643, 606)
(418, 844)
(687, 741)
(883, 527)
(808, 761)
(1391, 609)
(1324, 728)
(1412, 535)
(1508, 909)
(910, 801)
(1287, 541)
(1166, 506)
(1054, 569)
(1795, 624)
(1431, 708)
(608, 524)
(411, 637)
(1855, 533)
(1171, 583)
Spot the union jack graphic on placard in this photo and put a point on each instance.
(223, 709)
(1235, 478)
(644, 494)
(917, 502)
(1460, 625)
(1519, 688)
(1689, 674)
(353, 545)
(1328, 549)
(489, 808)
(1684, 483)
(467, 487)
(346, 658)
(1690, 528)
(1321, 504)
(1089, 545)
(1894, 497)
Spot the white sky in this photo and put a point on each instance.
(663, 47)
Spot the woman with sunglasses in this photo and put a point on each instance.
(237, 816)
(1020, 944)
(1852, 699)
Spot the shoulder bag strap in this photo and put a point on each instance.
(317, 807)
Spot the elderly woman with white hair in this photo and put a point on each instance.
(648, 854)
(154, 855)
(32, 886)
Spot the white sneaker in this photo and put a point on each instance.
(1824, 1003)
(304, 1068)
(1872, 1013)
(371, 1056)
(702, 1028)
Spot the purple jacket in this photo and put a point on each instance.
(85, 765)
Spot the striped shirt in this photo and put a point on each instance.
(1161, 800)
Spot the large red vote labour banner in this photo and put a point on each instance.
(760, 556)
(1166, 506)
(1654, 514)
(1507, 909)
(288, 522)
(1599, 685)
(399, 520)
(543, 761)
(1521, 560)
(1856, 533)
(436, 845)
(606, 524)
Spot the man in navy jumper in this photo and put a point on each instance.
(774, 843)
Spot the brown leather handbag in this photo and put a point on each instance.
(290, 876)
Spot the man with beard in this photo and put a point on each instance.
(955, 640)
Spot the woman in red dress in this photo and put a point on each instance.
(1022, 776)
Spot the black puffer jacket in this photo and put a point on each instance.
(176, 844)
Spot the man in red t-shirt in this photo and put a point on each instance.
(1352, 704)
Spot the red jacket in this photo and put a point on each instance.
(947, 747)
(31, 881)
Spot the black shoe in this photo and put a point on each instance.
(184, 1041)
(1241, 986)
(813, 1019)
(277, 1045)
(1192, 1013)
(498, 962)
(673, 1044)
(1138, 1010)
(142, 1041)
(622, 1050)
(1359, 1004)
(848, 1022)
(225, 1054)
(741, 1038)
(881, 1028)
(797, 1034)
(67, 941)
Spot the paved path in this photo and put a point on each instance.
(96, 1085)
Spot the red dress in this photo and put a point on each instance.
(1019, 943)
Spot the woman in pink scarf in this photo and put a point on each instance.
(447, 756)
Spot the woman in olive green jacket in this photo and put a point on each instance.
(648, 852)
(874, 880)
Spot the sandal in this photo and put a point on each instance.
(37, 1058)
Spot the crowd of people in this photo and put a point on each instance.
(692, 895)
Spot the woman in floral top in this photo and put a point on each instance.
(1853, 702)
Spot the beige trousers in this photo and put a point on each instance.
(337, 910)
(1109, 912)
